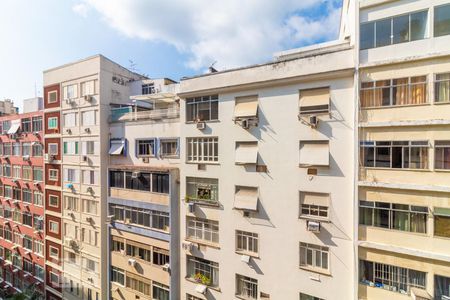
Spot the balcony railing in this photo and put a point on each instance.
(127, 114)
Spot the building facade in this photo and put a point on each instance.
(404, 132)
(143, 199)
(22, 251)
(76, 115)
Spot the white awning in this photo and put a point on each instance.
(116, 148)
(14, 128)
(420, 294)
(246, 107)
(246, 198)
(200, 288)
(314, 153)
(246, 152)
(309, 198)
(315, 97)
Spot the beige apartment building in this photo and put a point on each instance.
(77, 99)
(404, 132)
(143, 198)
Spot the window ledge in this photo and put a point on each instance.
(203, 243)
(215, 288)
(251, 254)
(315, 270)
(202, 163)
(204, 202)
(397, 169)
(441, 103)
(395, 230)
(314, 218)
(394, 106)
(195, 122)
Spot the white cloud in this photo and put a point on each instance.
(232, 32)
(81, 9)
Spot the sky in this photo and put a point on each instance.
(158, 38)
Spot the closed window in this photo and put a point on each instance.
(71, 148)
(88, 88)
(53, 174)
(37, 173)
(53, 227)
(70, 91)
(70, 120)
(160, 256)
(90, 147)
(26, 196)
(52, 97)
(54, 278)
(37, 123)
(160, 183)
(160, 291)
(90, 177)
(88, 118)
(16, 149)
(442, 155)
(27, 173)
(442, 87)
(246, 287)
(17, 172)
(52, 123)
(37, 198)
(118, 275)
(90, 206)
(203, 229)
(442, 20)
(71, 175)
(314, 205)
(71, 203)
(145, 147)
(442, 222)
(54, 252)
(37, 149)
(314, 256)
(247, 241)
(26, 125)
(204, 108)
(168, 147)
(202, 150)
(53, 149)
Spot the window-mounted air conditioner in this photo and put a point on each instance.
(201, 125)
(135, 174)
(69, 131)
(245, 258)
(313, 226)
(88, 98)
(87, 130)
(131, 262)
(191, 207)
(187, 246)
(84, 158)
(166, 267)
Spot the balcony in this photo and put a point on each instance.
(125, 114)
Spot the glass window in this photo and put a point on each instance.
(145, 147)
(313, 256)
(202, 150)
(442, 20)
(367, 35)
(52, 123)
(202, 189)
(246, 287)
(441, 287)
(442, 222)
(400, 29)
(442, 88)
(202, 108)
(37, 123)
(383, 30)
(203, 229)
(419, 25)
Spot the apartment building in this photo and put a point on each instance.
(404, 132)
(7, 107)
(76, 115)
(22, 258)
(143, 197)
(267, 178)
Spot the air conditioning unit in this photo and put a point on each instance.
(36, 133)
(15, 180)
(36, 183)
(68, 241)
(145, 160)
(191, 207)
(6, 157)
(87, 130)
(69, 131)
(188, 246)
(245, 258)
(84, 158)
(166, 267)
(135, 174)
(71, 214)
(201, 289)
(313, 121)
(89, 219)
(26, 157)
(88, 98)
(131, 262)
(313, 226)
(201, 125)
(73, 244)
(90, 190)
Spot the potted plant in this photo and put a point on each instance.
(203, 279)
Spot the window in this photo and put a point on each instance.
(313, 256)
(71, 148)
(26, 125)
(148, 88)
(203, 230)
(37, 173)
(89, 236)
(117, 179)
(88, 88)
(7, 150)
(442, 20)
(54, 278)
(71, 175)
(118, 244)
(16, 149)
(71, 203)
(160, 256)
(442, 222)
(38, 222)
(27, 173)
(52, 123)
(160, 291)
(7, 170)
(394, 30)
(27, 196)
(17, 193)
(37, 123)
(246, 242)
(37, 198)
(168, 147)
(118, 275)
(90, 177)
(308, 297)
(39, 249)
(145, 147)
(27, 266)
(246, 287)
(442, 88)
(397, 154)
(160, 183)
(203, 271)
(90, 147)
(442, 155)
(202, 150)
(139, 216)
(137, 181)
(53, 149)
(88, 118)
(90, 265)
(26, 149)
(118, 147)
(314, 153)
(52, 97)
(37, 149)
(314, 101)
(393, 216)
(138, 283)
(394, 92)
(138, 250)
(27, 219)
(16, 172)
(190, 297)
(441, 287)
(53, 201)
(314, 205)
(53, 174)
(53, 227)
(8, 192)
(90, 206)
(54, 253)
(392, 278)
(70, 120)
(202, 189)
(70, 91)
(202, 108)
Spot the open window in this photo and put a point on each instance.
(246, 111)
(246, 153)
(314, 205)
(117, 147)
(315, 101)
(314, 153)
(246, 198)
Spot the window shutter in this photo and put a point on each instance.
(65, 147)
(65, 92)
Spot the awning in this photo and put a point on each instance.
(309, 198)
(14, 128)
(314, 153)
(116, 148)
(420, 294)
(314, 100)
(246, 152)
(246, 198)
(246, 107)
(200, 288)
